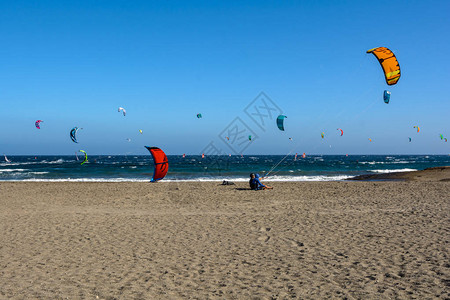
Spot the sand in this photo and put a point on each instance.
(353, 240)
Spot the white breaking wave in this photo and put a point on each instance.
(59, 161)
(82, 180)
(200, 179)
(392, 170)
(11, 170)
(308, 178)
(385, 162)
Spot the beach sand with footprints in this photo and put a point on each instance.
(353, 240)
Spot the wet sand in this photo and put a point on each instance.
(354, 240)
(430, 174)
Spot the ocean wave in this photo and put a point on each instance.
(385, 162)
(11, 170)
(199, 179)
(392, 170)
(18, 163)
(58, 161)
(82, 180)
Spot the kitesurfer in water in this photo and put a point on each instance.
(255, 184)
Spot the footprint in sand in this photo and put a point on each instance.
(264, 238)
(296, 244)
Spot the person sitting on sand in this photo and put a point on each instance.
(252, 182)
(255, 184)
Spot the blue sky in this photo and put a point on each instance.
(73, 63)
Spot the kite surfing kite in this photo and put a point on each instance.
(442, 137)
(322, 135)
(199, 116)
(73, 134)
(249, 137)
(6, 159)
(160, 161)
(85, 156)
(342, 131)
(140, 131)
(123, 111)
(370, 139)
(280, 122)
(128, 140)
(386, 96)
(418, 128)
(38, 124)
(388, 62)
(290, 139)
(410, 140)
(445, 140)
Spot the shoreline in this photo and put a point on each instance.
(428, 174)
(441, 173)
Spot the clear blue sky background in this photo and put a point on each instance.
(73, 63)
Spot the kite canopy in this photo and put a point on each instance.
(140, 131)
(388, 62)
(409, 140)
(370, 139)
(199, 116)
(73, 134)
(85, 156)
(280, 122)
(441, 136)
(386, 96)
(160, 161)
(418, 128)
(38, 124)
(342, 131)
(123, 111)
(322, 135)
(249, 137)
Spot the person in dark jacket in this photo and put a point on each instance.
(255, 183)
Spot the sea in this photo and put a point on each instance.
(121, 168)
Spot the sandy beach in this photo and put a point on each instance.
(353, 240)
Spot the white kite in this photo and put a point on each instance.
(123, 111)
